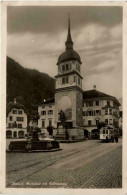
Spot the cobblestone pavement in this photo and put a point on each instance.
(88, 164)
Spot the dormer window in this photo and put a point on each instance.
(108, 103)
(14, 111)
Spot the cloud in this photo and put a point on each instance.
(97, 41)
(52, 19)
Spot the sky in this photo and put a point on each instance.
(36, 36)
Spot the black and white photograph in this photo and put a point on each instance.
(64, 102)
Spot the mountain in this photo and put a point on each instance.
(29, 86)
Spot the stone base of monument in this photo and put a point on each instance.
(72, 134)
(34, 146)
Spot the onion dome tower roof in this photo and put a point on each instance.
(69, 54)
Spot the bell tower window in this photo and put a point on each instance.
(67, 67)
(78, 80)
(65, 80)
(63, 68)
(74, 79)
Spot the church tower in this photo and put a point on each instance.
(68, 92)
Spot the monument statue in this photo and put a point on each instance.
(61, 116)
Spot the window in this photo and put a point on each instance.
(89, 122)
(10, 125)
(8, 134)
(43, 123)
(90, 103)
(74, 79)
(90, 113)
(50, 112)
(106, 121)
(106, 131)
(103, 131)
(19, 125)
(67, 66)
(43, 112)
(97, 112)
(65, 80)
(63, 68)
(79, 68)
(20, 112)
(14, 111)
(78, 80)
(83, 113)
(106, 111)
(97, 103)
(108, 103)
(110, 111)
(20, 118)
(43, 106)
(76, 66)
(50, 122)
(50, 106)
(97, 122)
(10, 118)
(110, 121)
(87, 104)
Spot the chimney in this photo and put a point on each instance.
(15, 101)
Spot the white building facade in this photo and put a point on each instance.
(16, 121)
(99, 107)
(46, 113)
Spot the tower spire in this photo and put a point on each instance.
(69, 43)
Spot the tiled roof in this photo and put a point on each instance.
(95, 94)
(69, 55)
(16, 105)
(50, 101)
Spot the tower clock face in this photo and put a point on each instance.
(65, 105)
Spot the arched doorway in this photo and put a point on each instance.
(21, 134)
(86, 133)
(95, 134)
(8, 134)
(15, 134)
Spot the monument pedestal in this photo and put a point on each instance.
(76, 133)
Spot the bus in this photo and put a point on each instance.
(109, 133)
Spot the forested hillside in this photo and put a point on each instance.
(30, 87)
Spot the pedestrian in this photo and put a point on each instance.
(112, 139)
(116, 138)
(107, 139)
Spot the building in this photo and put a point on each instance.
(68, 91)
(46, 112)
(120, 122)
(99, 107)
(82, 110)
(16, 124)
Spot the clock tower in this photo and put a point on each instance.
(68, 91)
